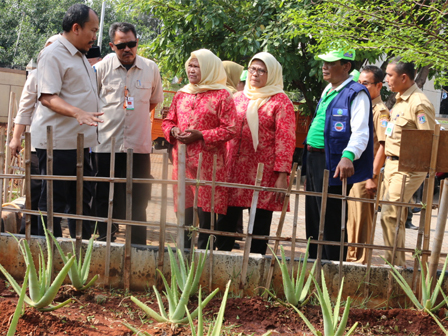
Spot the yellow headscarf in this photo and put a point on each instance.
(213, 76)
(233, 71)
(259, 96)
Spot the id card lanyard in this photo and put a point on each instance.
(128, 100)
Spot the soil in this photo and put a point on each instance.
(100, 312)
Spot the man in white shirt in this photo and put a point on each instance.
(340, 139)
(129, 87)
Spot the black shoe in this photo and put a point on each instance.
(236, 246)
(410, 226)
(416, 210)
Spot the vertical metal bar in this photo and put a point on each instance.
(343, 223)
(280, 226)
(372, 236)
(110, 212)
(181, 197)
(195, 207)
(12, 98)
(397, 229)
(127, 246)
(79, 190)
(50, 218)
(294, 222)
(250, 229)
(323, 211)
(212, 221)
(162, 234)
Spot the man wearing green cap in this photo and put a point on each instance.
(340, 139)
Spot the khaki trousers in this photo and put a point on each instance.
(359, 223)
(389, 213)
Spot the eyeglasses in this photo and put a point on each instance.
(254, 70)
(367, 83)
(121, 46)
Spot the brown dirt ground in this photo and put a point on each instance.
(100, 312)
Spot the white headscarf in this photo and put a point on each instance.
(259, 96)
(213, 75)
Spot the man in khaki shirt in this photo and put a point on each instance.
(129, 87)
(69, 103)
(360, 215)
(412, 110)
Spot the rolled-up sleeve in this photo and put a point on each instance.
(28, 101)
(157, 89)
(49, 75)
(359, 121)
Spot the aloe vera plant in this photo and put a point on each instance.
(42, 291)
(428, 299)
(296, 291)
(330, 318)
(214, 328)
(79, 271)
(18, 311)
(437, 321)
(181, 269)
(176, 304)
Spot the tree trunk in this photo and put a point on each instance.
(422, 76)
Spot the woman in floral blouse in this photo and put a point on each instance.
(265, 134)
(202, 116)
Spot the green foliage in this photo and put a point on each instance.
(79, 271)
(18, 311)
(296, 291)
(437, 321)
(428, 299)
(330, 318)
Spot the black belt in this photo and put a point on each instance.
(393, 158)
(312, 149)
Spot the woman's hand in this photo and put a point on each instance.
(281, 183)
(189, 136)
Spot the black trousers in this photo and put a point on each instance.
(141, 193)
(229, 223)
(205, 221)
(332, 230)
(64, 192)
(36, 189)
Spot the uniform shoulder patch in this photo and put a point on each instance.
(421, 118)
(384, 116)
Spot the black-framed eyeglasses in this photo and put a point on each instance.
(254, 70)
(121, 46)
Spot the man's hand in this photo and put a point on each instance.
(344, 169)
(281, 183)
(371, 187)
(189, 136)
(15, 145)
(88, 118)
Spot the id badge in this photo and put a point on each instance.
(390, 128)
(130, 103)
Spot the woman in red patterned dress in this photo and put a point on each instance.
(265, 134)
(202, 116)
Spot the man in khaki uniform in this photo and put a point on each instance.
(66, 89)
(412, 110)
(129, 87)
(360, 215)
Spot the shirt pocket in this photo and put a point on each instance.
(143, 91)
(400, 124)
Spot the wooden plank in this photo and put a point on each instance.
(195, 208)
(79, 190)
(418, 245)
(50, 218)
(2, 163)
(110, 211)
(162, 233)
(250, 228)
(181, 196)
(343, 224)
(212, 223)
(28, 185)
(323, 211)
(280, 226)
(127, 245)
(415, 156)
(294, 222)
(12, 98)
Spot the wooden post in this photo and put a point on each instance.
(79, 190)
(127, 245)
(438, 236)
(250, 228)
(343, 223)
(372, 235)
(181, 171)
(12, 98)
(212, 222)
(430, 195)
(28, 185)
(397, 229)
(2, 162)
(195, 207)
(294, 222)
(323, 211)
(110, 211)
(280, 226)
(50, 219)
(418, 245)
(162, 233)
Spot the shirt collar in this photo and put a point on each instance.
(67, 44)
(377, 100)
(407, 93)
(340, 87)
(116, 62)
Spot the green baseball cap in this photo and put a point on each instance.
(243, 77)
(355, 73)
(336, 55)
